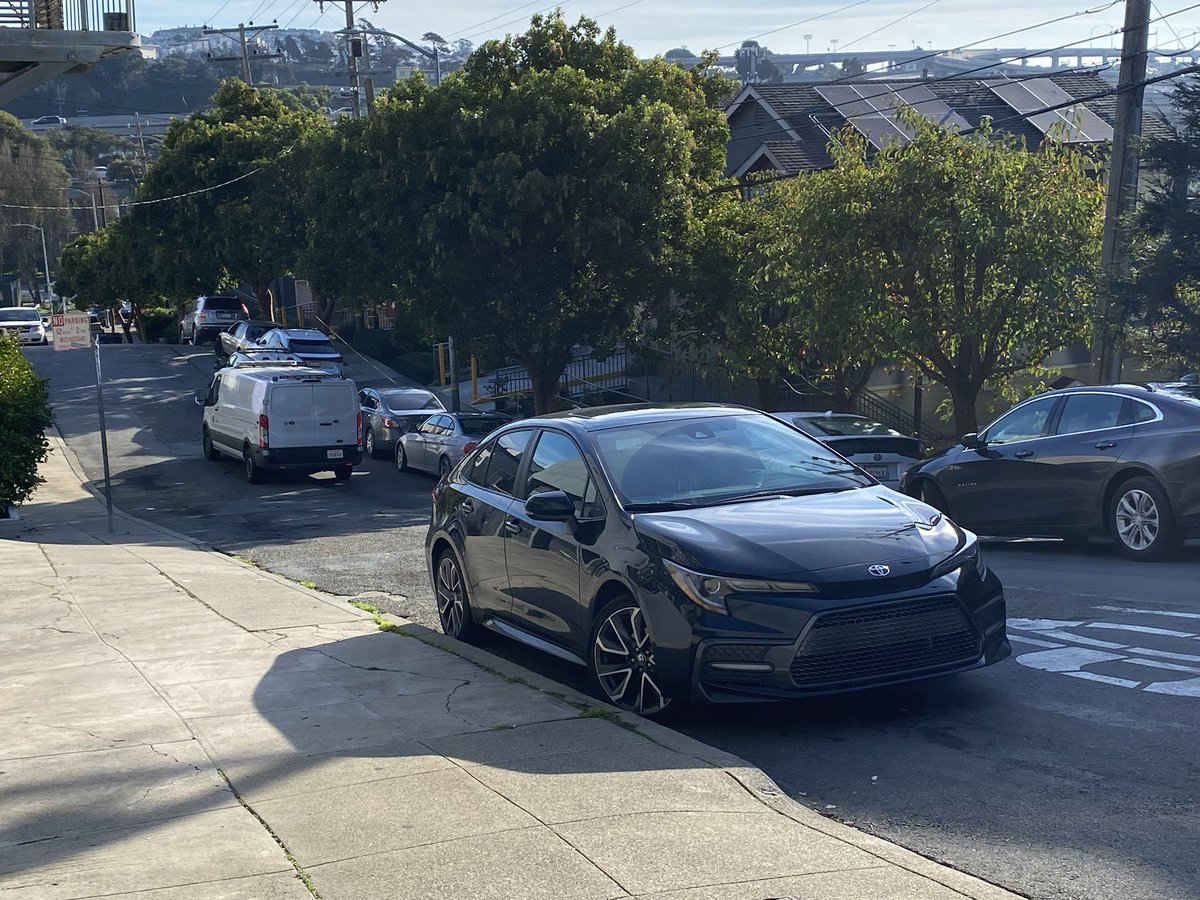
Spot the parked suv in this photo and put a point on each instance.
(25, 322)
(208, 316)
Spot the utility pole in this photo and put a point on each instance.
(1122, 186)
(354, 43)
(141, 144)
(245, 35)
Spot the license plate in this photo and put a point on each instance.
(883, 473)
(333, 454)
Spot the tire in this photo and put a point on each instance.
(621, 659)
(343, 473)
(929, 493)
(369, 444)
(453, 599)
(211, 453)
(401, 457)
(1141, 521)
(443, 468)
(254, 472)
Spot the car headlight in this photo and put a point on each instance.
(709, 591)
(966, 555)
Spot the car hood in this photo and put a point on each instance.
(822, 537)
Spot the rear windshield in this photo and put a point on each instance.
(20, 315)
(292, 400)
(254, 332)
(478, 427)
(301, 346)
(411, 400)
(333, 400)
(845, 425)
(223, 303)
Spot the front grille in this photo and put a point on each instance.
(889, 640)
(735, 653)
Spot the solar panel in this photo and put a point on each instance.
(922, 99)
(1071, 124)
(871, 108)
(845, 98)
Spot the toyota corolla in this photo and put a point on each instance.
(707, 553)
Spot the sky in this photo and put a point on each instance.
(656, 26)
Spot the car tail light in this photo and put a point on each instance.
(358, 428)
(391, 423)
(262, 431)
(469, 446)
(201, 316)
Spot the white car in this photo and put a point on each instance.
(309, 344)
(25, 322)
(883, 453)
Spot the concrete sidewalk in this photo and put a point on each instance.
(176, 724)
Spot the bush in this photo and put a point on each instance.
(157, 323)
(24, 417)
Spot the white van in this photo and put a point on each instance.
(279, 417)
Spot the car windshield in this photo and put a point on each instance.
(254, 332)
(20, 315)
(224, 303)
(305, 346)
(410, 400)
(840, 426)
(478, 426)
(703, 461)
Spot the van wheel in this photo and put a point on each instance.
(254, 472)
(343, 473)
(210, 452)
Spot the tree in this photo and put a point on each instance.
(530, 203)
(852, 66)
(1163, 289)
(987, 251)
(234, 169)
(102, 268)
(24, 417)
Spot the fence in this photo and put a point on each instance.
(69, 15)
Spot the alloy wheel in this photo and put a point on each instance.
(451, 597)
(1138, 520)
(623, 660)
(443, 467)
(370, 442)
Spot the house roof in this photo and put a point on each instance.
(804, 114)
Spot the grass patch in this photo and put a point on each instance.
(311, 585)
(365, 606)
(380, 622)
(598, 712)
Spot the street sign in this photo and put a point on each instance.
(72, 331)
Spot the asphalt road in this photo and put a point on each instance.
(1071, 771)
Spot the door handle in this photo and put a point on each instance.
(1023, 454)
(466, 507)
(1106, 445)
(325, 423)
(512, 526)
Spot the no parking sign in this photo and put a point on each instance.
(72, 331)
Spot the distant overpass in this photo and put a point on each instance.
(126, 125)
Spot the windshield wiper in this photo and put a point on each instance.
(779, 494)
(664, 506)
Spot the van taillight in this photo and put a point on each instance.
(358, 427)
(469, 446)
(262, 431)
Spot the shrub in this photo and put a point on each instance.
(24, 417)
(157, 323)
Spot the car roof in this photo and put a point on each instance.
(305, 334)
(267, 322)
(597, 418)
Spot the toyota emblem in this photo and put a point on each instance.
(879, 571)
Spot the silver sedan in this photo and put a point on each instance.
(443, 440)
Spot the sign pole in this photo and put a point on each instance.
(103, 436)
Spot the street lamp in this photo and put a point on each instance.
(45, 256)
(428, 54)
(807, 40)
(92, 197)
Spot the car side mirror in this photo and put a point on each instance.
(201, 398)
(971, 441)
(550, 506)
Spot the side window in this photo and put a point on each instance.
(369, 400)
(445, 425)
(475, 471)
(1143, 412)
(429, 426)
(1023, 423)
(505, 461)
(557, 465)
(214, 390)
(1090, 412)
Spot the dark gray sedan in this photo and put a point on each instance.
(388, 413)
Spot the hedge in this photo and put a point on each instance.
(24, 417)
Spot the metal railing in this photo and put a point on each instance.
(69, 15)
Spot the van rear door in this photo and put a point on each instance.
(290, 410)
(335, 404)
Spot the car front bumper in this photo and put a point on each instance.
(37, 336)
(817, 646)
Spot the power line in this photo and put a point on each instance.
(522, 19)
(824, 15)
(493, 18)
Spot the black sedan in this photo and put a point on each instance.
(708, 553)
(1122, 461)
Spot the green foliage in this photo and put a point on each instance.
(157, 323)
(1163, 285)
(24, 416)
(531, 202)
